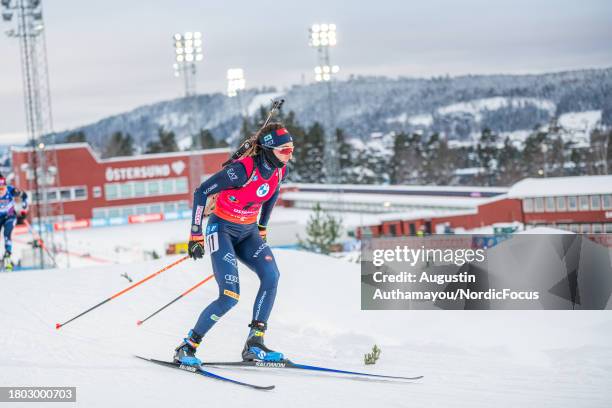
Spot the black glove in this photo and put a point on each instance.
(195, 248)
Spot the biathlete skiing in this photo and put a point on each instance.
(239, 199)
(8, 216)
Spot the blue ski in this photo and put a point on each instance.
(290, 364)
(198, 370)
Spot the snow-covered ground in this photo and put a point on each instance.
(118, 244)
(424, 120)
(469, 359)
(134, 242)
(578, 126)
(580, 121)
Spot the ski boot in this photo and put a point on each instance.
(255, 349)
(6, 261)
(185, 352)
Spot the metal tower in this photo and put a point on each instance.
(322, 37)
(43, 171)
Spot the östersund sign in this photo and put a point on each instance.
(143, 172)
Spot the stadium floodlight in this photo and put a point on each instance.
(7, 16)
(235, 81)
(323, 35)
(324, 72)
(6, 3)
(188, 46)
(187, 51)
(235, 74)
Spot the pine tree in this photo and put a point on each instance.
(166, 142)
(609, 152)
(204, 140)
(246, 131)
(323, 229)
(533, 161)
(294, 171)
(76, 137)
(447, 163)
(372, 165)
(556, 157)
(309, 156)
(509, 172)
(400, 161)
(601, 151)
(344, 156)
(408, 159)
(119, 145)
(438, 162)
(576, 160)
(487, 156)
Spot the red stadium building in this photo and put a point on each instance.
(578, 204)
(117, 188)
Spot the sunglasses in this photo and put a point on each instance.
(283, 150)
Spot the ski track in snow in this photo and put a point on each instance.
(469, 359)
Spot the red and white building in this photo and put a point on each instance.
(578, 204)
(121, 187)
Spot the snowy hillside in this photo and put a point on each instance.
(475, 107)
(578, 126)
(469, 359)
(457, 107)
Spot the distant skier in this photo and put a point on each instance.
(244, 187)
(8, 215)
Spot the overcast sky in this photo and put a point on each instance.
(110, 56)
